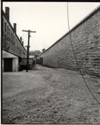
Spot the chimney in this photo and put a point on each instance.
(21, 41)
(7, 12)
(14, 27)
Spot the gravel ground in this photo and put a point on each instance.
(47, 95)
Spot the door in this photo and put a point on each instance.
(8, 65)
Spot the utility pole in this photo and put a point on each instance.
(28, 31)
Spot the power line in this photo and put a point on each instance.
(76, 58)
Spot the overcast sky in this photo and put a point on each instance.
(48, 19)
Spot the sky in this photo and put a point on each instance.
(48, 19)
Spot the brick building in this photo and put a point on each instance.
(86, 43)
(13, 50)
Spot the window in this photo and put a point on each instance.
(7, 33)
(5, 26)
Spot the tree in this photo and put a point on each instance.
(35, 53)
(43, 50)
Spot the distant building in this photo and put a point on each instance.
(32, 59)
(13, 50)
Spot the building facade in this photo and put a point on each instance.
(13, 50)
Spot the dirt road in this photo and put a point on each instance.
(47, 95)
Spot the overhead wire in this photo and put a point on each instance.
(76, 57)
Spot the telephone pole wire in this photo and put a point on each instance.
(28, 31)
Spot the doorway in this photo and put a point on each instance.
(8, 65)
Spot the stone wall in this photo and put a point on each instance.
(85, 39)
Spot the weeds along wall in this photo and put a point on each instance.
(86, 43)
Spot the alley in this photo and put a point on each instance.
(49, 95)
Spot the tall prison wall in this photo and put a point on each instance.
(86, 43)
